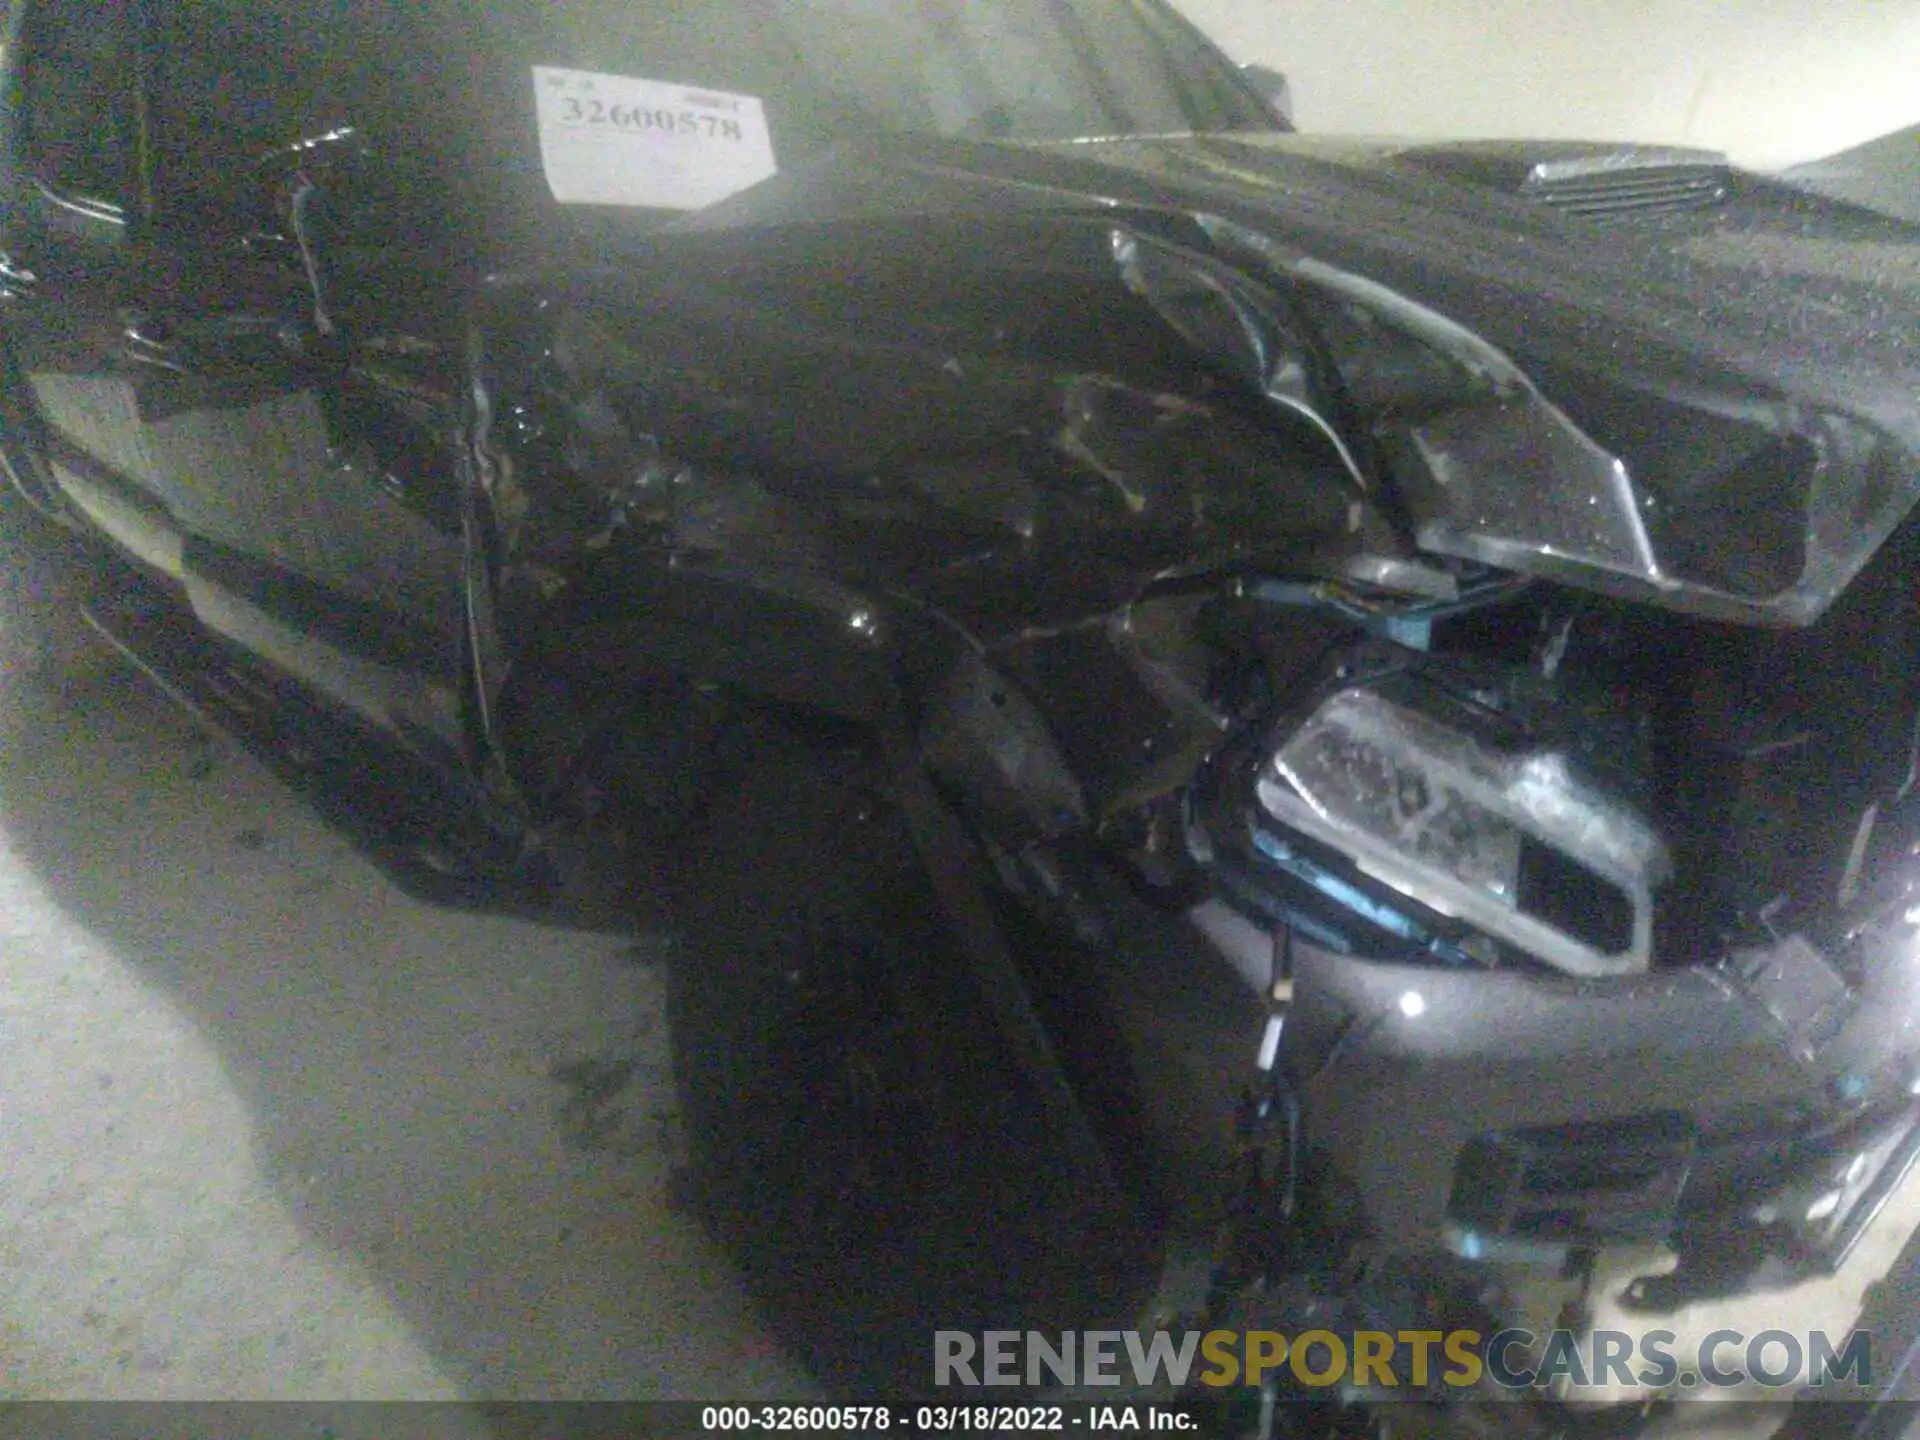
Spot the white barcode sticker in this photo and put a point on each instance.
(617, 140)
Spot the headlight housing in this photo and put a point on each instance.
(1467, 830)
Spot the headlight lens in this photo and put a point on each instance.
(1459, 826)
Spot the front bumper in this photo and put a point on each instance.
(1514, 1116)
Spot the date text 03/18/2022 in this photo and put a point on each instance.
(946, 1419)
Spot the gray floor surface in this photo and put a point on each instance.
(270, 1129)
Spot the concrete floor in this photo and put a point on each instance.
(269, 1129)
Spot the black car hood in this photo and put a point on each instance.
(1713, 402)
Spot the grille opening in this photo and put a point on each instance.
(1601, 1168)
(1562, 1183)
(1561, 1224)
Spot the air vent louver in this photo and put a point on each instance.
(1637, 190)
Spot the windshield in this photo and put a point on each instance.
(1030, 70)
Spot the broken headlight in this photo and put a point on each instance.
(1511, 843)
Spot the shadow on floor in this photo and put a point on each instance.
(475, 1113)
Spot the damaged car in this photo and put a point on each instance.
(1230, 725)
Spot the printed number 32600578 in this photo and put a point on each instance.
(637, 117)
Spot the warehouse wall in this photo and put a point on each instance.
(1770, 81)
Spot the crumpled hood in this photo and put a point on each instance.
(1753, 366)
(1779, 291)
